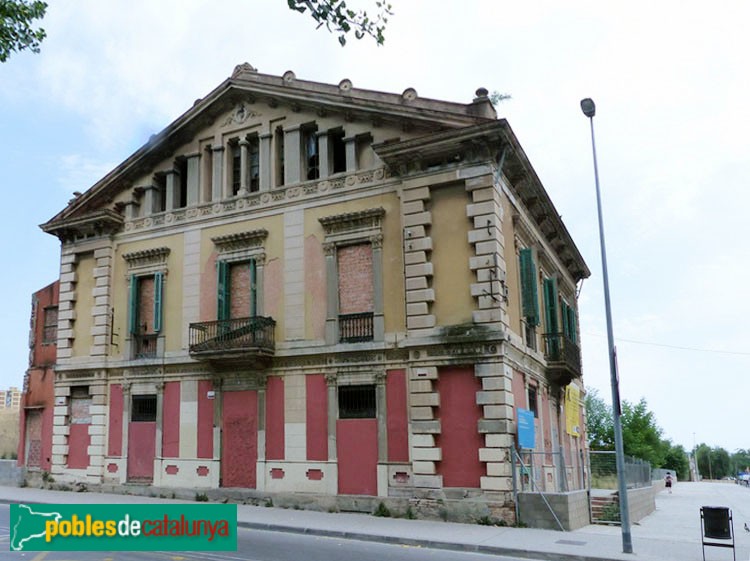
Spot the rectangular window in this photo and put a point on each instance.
(143, 409)
(49, 336)
(532, 399)
(145, 321)
(254, 163)
(337, 151)
(312, 157)
(236, 168)
(237, 290)
(279, 149)
(80, 405)
(529, 296)
(569, 322)
(357, 402)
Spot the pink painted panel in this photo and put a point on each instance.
(114, 441)
(357, 449)
(273, 288)
(275, 418)
(205, 420)
(459, 439)
(170, 442)
(315, 286)
(141, 450)
(397, 422)
(78, 446)
(239, 450)
(317, 417)
(47, 424)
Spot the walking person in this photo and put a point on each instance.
(668, 482)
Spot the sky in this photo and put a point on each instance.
(671, 86)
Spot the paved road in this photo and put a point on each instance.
(257, 545)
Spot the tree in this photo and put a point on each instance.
(641, 436)
(338, 18)
(740, 462)
(713, 463)
(16, 29)
(676, 459)
(599, 425)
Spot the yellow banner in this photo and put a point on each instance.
(573, 410)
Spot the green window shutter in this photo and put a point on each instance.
(550, 305)
(572, 328)
(253, 288)
(158, 295)
(529, 294)
(222, 308)
(133, 305)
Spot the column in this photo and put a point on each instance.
(173, 190)
(151, 200)
(218, 173)
(243, 166)
(193, 180)
(131, 210)
(350, 145)
(332, 294)
(381, 410)
(159, 424)
(324, 165)
(265, 161)
(333, 415)
(292, 155)
(377, 285)
(125, 423)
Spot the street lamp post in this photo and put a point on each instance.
(589, 109)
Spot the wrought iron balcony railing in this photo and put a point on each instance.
(356, 328)
(252, 334)
(562, 354)
(145, 345)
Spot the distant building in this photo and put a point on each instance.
(38, 400)
(300, 287)
(10, 399)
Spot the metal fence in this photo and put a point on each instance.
(603, 470)
(549, 472)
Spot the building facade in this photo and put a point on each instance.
(299, 287)
(37, 402)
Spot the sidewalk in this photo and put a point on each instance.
(672, 532)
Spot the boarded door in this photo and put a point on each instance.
(33, 438)
(459, 439)
(357, 449)
(142, 438)
(239, 446)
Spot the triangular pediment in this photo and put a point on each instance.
(257, 103)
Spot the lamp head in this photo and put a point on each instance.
(588, 107)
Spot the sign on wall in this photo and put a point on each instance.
(526, 436)
(572, 410)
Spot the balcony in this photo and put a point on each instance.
(145, 345)
(356, 328)
(239, 340)
(563, 358)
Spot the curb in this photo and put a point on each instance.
(375, 538)
(429, 544)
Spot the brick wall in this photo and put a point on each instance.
(146, 304)
(239, 283)
(355, 278)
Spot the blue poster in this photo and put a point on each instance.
(526, 436)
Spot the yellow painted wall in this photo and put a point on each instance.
(84, 305)
(451, 252)
(393, 266)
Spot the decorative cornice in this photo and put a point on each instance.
(353, 222)
(103, 222)
(241, 241)
(147, 257)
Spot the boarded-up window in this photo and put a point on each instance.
(80, 405)
(357, 402)
(50, 325)
(355, 279)
(144, 409)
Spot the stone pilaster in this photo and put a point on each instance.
(193, 180)
(97, 433)
(423, 399)
(350, 146)
(217, 173)
(292, 155)
(66, 306)
(488, 262)
(418, 268)
(324, 164)
(173, 190)
(244, 145)
(100, 328)
(265, 162)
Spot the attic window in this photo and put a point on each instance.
(278, 138)
(337, 150)
(311, 151)
(236, 168)
(181, 167)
